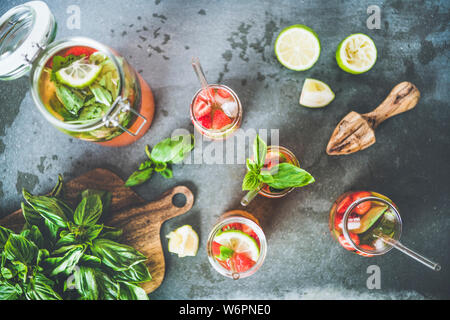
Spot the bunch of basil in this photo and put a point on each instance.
(281, 176)
(163, 155)
(63, 253)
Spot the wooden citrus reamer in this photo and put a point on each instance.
(356, 131)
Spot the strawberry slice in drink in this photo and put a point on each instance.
(205, 121)
(201, 108)
(242, 262)
(233, 226)
(206, 95)
(346, 244)
(220, 120)
(363, 207)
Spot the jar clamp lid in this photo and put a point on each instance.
(24, 31)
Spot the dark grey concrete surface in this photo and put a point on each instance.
(234, 40)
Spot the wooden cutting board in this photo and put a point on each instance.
(141, 221)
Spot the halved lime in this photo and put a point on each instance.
(297, 47)
(183, 241)
(315, 94)
(356, 54)
(79, 74)
(239, 242)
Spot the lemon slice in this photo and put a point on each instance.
(297, 47)
(79, 74)
(239, 242)
(183, 241)
(356, 54)
(315, 94)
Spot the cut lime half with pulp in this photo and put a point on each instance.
(183, 241)
(297, 47)
(79, 74)
(315, 94)
(356, 54)
(239, 242)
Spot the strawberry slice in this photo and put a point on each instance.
(353, 222)
(220, 120)
(242, 262)
(363, 207)
(223, 93)
(201, 108)
(250, 232)
(365, 247)
(233, 226)
(78, 51)
(346, 244)
(216, 248)
(206, 95)
(205, 121)
(344, 204)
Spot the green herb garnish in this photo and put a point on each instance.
(162, 156)
(59, 243)
(281, 176)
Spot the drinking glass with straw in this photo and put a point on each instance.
(388, 241)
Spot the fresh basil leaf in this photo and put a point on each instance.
(88, 211)
(92, 112)
(18, 248)
(251, 181)
(173, 149)
(105, 196)
(102, 95)
(42, 255)
(286, 175)
(60, 62)
(160, 166)
(58, 189)
(251, 166)
(65, 248)
(68, 262)
(21, 269)
(93, 231)
(143, 174)
(110, 233)
(31, 216)
(136, 274)
(86, 284)
(130, 291)
(41, 289)
(91, 261)
(4, 235)
(72, 100)
(225, 253)
(52, 209)
(167, 173)
(108, 288)
(9, 291)
(116, 256)
(259, 151)
(34, 235)
(7, 273)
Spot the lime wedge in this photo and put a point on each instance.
(79, 74)
(315, 94)
(297, 47)
(239, 242)
(356, 54)
(183, 241)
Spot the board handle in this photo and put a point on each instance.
(403, 97)
(160, 210)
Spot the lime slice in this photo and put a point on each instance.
(356, 54)
(297, 47)
(240, 242)
(315, 94)
(183, 241)
(79, 74)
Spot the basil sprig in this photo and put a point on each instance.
(162, 156)
(58, 242)
(281, 176)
